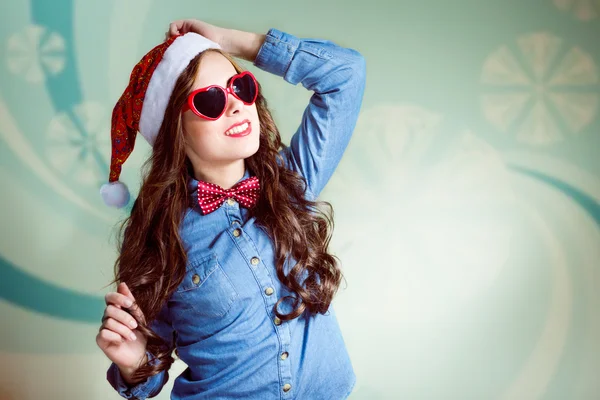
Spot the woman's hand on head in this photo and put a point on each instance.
(211, 32)
(240, 44)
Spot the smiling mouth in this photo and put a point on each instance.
(242, 129)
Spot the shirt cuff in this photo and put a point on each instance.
(277, 52)
(141, 390)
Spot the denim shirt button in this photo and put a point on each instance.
(196, 279)
(287, 387)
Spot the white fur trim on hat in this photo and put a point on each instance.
(175, 59)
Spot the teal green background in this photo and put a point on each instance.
(467, 204)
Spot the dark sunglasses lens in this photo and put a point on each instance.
(210, 103)
(245, 88)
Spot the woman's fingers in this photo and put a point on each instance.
(124, 289)
(109, 336)
(117, 327)
(133, 309)
(118, 299)
(119, 315)
(174, 28)
(123, 299)
(184, 26)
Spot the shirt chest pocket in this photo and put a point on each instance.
(206, 289)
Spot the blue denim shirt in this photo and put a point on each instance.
(226, 331)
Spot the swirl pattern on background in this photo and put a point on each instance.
(463, 253)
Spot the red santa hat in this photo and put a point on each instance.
(143, 103)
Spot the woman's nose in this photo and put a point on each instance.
(234, 105)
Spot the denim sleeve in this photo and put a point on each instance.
(153, 385)
(337, 77)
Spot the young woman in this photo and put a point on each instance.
(224, 257)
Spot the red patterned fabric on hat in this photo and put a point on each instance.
(142, 105)
(126, 113)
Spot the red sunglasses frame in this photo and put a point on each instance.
(189, 105)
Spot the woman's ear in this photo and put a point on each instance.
(186, 143)
(182, 127)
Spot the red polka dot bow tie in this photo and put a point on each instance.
(211, 196)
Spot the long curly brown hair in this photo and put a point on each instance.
(152, 259)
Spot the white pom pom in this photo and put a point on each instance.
(115, 194)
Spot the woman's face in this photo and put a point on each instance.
(211, 144)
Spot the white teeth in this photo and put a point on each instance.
(237, 129)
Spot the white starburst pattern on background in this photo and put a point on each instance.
(35, 53)
(585, 10)
(541, 89)
(78, 143)
(411, 197)
(424, 220)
